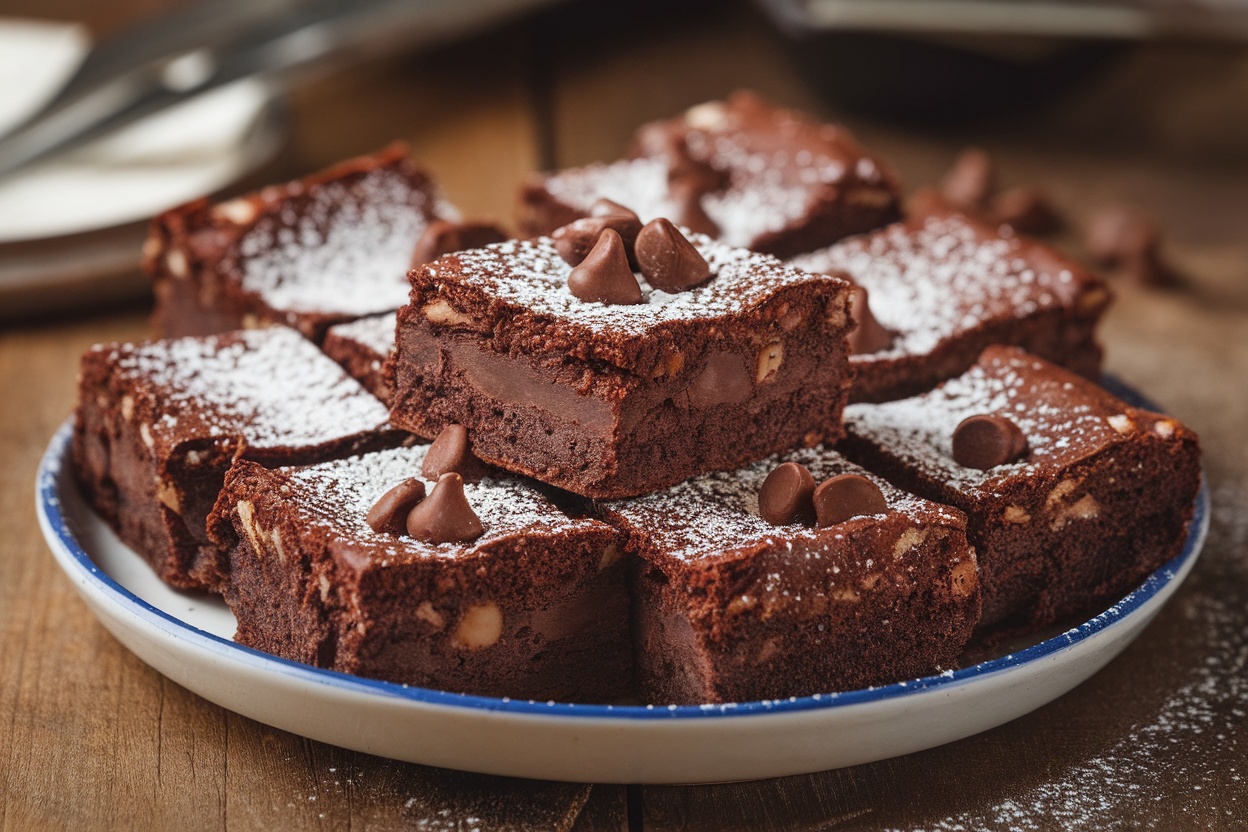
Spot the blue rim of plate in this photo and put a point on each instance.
(48, 483)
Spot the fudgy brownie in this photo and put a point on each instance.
(749, 173)
(1073, 496)
(361, 347)
(160, 422)
(943, 285)
(536, 606)
(621, 398)
(318, 251)
(731, 607)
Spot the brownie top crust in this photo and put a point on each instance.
(376, 332)
(518, 291)
(337, 497)
(339, 242)
(942, 273)
(271, 387)
(1064, 418)
(778, 166)
(714, 515)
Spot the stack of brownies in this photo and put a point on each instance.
(664, 464)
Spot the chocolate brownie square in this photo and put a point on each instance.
(751, 174)
(943, 285)
(329, 248)
(1073, 496)
(729, 606)
(536, 606)
(361, 348)
(160, 422)
(619, 399)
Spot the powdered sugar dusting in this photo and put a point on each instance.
(1155, 773)
(942, 279)
(271, 387)
(339, 495)
(1063, 419)
(530, 275)
(712, 513)
(376, 332)
(344, 247)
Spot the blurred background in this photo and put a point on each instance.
(1095, 106)
(220, 96)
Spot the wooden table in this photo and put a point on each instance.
(90, 738)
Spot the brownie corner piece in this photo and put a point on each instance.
(616, 400)
(159, 422)
(944, 284)
(331, 247)
(536, 607)
(729, 607)
(1095, 496)
(745, 171)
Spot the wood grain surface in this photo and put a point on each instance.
(90, 738)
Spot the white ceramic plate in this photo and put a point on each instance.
(187, 638)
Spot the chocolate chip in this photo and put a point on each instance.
(845, 496)
(695, 175)
(667, 259)
(604, 276)
(786, 495)
(1119, 233)
(689, 211)
(869, 335)
(604, 207)
(443, 237)
(577, 239)
(1027, 210)
(725, 379)
(452, 452)
(971, 180)
(445, 515)
(389, 514)
(985, 442)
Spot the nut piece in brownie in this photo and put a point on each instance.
(317, 251)
(531, 603)
(729, 606)
(622, 397)
(1072, 495)
(943, 285)
(745, 171)
(160, 422)
(361, 347)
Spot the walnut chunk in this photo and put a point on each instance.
(167, 494)
(175, 262)
(425, 612)
(439, 311)
(611, 555)
(237, 211)
(908, 541)
(769, 360)
(1015, 514)
(963, 578)
(480, 626)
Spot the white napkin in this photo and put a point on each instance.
(179, 154)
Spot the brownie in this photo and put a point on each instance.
(160, 422)
(536, 607)
(755, 175)
(943, 285)
(361, 347)
(329, 248)
(1093, 496)
(729, 607)
(614, 400)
